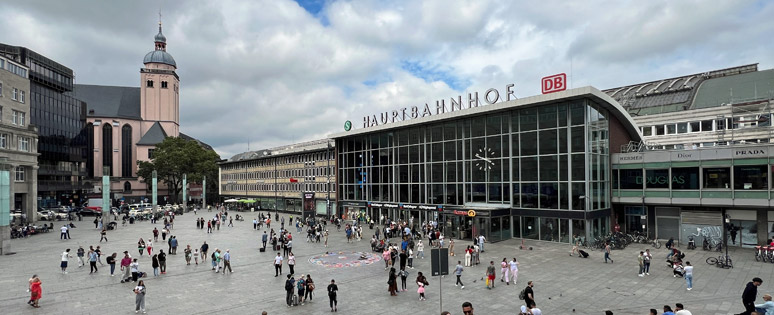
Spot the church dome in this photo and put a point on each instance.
(159, 56)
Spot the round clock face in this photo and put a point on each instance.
(484, 158)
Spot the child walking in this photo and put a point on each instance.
(421, 291)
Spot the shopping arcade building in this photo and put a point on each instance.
(537, 167)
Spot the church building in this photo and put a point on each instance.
(124, 124)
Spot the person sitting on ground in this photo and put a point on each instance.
(767, 307)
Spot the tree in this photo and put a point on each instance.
(174, 157)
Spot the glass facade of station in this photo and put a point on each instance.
(537, 172)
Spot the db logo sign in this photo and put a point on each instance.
(554, 83)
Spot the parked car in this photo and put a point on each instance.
(48, 215)
(95, 211)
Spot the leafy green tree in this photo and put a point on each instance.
(174, 157)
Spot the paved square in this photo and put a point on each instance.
(562, 283)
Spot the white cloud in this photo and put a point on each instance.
(271, 73)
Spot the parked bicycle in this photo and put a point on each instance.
(721, 261)
(656, 243)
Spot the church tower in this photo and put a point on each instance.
(160, 89)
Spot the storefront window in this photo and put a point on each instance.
(718, 177)
(657, 178)
(549, 229)
(615, 179)
(529, 193)
(495, 230)
(506, 227)
(751, 177)
(529, 228)
(631, 179)
(579, 229)
(685, 178)
(564, 230)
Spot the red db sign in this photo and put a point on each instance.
(554, 83)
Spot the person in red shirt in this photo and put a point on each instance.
(35, 291)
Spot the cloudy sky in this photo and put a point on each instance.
(275, 72)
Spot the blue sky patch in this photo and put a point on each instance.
(315, 7)
(434, 72)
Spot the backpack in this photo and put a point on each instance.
(288, 285)
(522, 294)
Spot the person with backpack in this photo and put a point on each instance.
(403, 277)
(301, 286)
(333, 289)
(289, 290)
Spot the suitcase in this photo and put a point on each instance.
(583, 253)
(295, 300)
(262, 249)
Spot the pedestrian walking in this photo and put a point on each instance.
(333, 290)
(162, 262)
(255, 224)
(139, 297)
(65, 259)
(529, 294)
(65, 234)
(646, 261)
(641, 261)
(301, 287)
(410, 258)
(264, 239)
(278, 265)
(504, 268)
(289, 290)
(155, 265)
(468, 256)
(204, 248)
(421, 283)
(187, 253)
(196, 256)
(481, 241)
(99, 256)
(607, 253)
(125, 262)
(111, 260)
(514, 266)
(749, 295)
(688, 275)
(141, 246)
(309, 287)
(227, 261)
(92, 261)
(458, 272)
(292, 263)
(156, 234)
(35, 291)
(403, 276)
(103, 235)
(218, 260)
(149, 246)
(491, 274)
(392, 282)
(80, 253)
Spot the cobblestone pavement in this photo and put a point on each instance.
(562, 283)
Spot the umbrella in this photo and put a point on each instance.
(231, 200)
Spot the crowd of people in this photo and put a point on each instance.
(399, 242)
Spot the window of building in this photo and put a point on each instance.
(694, 126)
(163, 84)
(671, 129)
(682, 127)
(150, 153)
(149, 83)
(751, 177)
(706, 125)
(127, 187)
(107, 148)
(1, 87)
(15, 94)
(24, 144)
(685, 178)
(3, 141)
(718, 177)
(647, 131)
(660, 130)
(19, 118)
(21, 97)
(631, 179)
(19, 174)
(657, 178)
